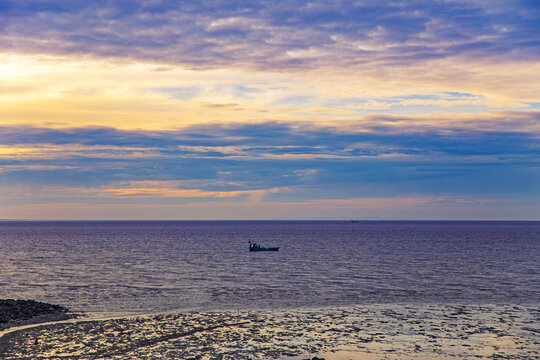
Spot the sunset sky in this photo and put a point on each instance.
(269, 109)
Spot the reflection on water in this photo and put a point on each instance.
(159, 266)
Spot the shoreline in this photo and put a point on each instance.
(357, 332)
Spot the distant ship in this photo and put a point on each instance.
(256, 247)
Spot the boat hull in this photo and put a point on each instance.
(264, 249)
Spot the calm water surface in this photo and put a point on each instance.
(132, 267)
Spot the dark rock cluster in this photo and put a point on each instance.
(20, 312)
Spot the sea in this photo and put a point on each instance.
(136, 267)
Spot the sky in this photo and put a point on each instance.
(183, 110)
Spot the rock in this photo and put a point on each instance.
(22, 312)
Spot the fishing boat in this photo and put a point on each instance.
(257, 247)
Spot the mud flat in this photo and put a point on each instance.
(360, 332)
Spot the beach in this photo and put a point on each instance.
(358, 332)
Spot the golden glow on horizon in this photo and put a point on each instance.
(145, 189)
(78, 91)
(167, 192)
(397, 208)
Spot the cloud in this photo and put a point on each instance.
(276, 161)
(165, 101)
(80, 92)
(134, 190)
(182, 93)
(504, 132)
(266, 34)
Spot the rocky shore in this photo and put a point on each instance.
(360, 332)
(24, 312)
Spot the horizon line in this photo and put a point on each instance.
(288, 220)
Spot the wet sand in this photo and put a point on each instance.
(360, 332)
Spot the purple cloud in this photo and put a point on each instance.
(264, 34)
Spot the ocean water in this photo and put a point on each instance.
(147, 267)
